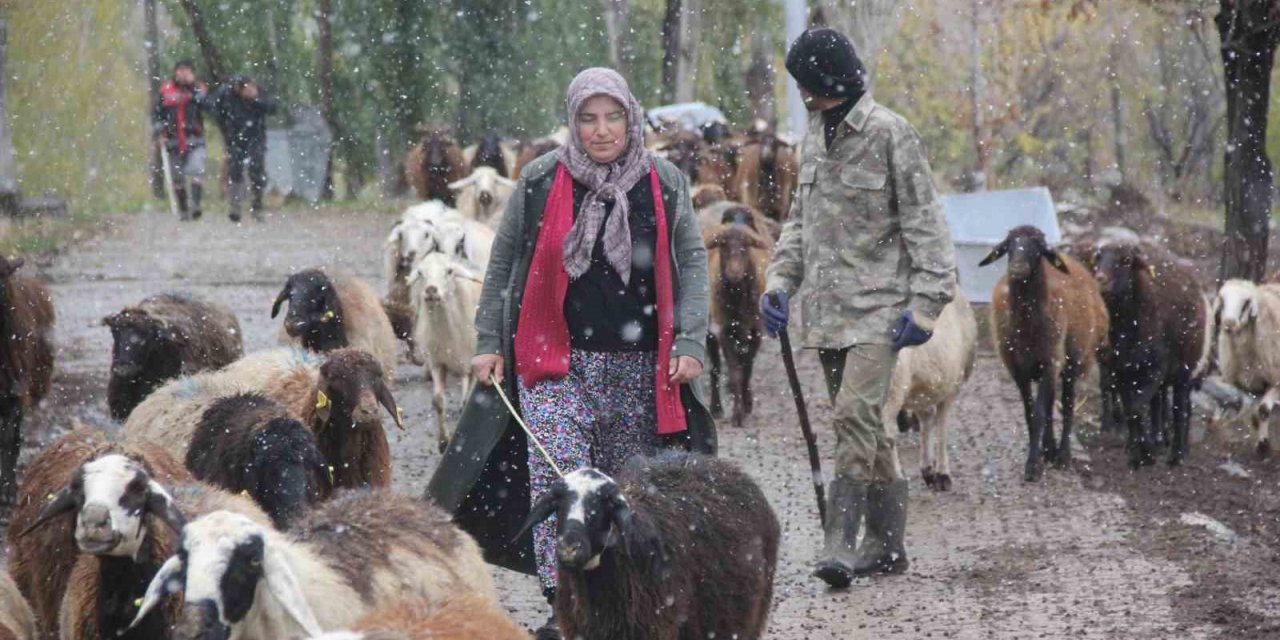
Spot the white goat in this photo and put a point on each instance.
(444, 294)
(926, 381)
(483, 195)
(243, 579)
(1248, 319)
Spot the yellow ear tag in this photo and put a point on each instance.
(51, 497)
(322, 400)
(1152, 270)
(329, 468)
(137, 602)
(400, 413)
(328, 315)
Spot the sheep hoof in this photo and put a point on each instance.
(1264, 448)
(739, 419)
(929, 476)
(1033, 471)
(717, 411)
(442, 445)
(942, 482)
(1175, 459)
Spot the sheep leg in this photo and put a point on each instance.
(713, 354)
(749, 366)
(926, 455)
(938, 425)
(1035, 409)
(733, 356)
(1181, 422)
(1262, 420)
(1137, 409)
(10, 447)
(437, 401)
(1048, 445)
(1063, 453)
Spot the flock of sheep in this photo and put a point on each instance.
(258, 485)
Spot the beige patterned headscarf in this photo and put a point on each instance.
(605, 183)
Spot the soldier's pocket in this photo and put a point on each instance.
(804, 184)
(862, 184)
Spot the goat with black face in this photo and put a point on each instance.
(679, 546)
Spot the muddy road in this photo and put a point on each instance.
(1093, 552)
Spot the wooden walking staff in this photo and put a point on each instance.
(815, 462)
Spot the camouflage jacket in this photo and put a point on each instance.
(866, 237)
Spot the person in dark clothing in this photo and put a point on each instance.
(242, 109)
(179, 126)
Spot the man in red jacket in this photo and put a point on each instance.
(179, 125)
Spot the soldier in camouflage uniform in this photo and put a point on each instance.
(868, 248)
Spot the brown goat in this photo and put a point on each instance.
(531, 150)
(766, 176)
(489, 153)
(26, 362)
(41, 561)
(163, 337)
(737, 257)
(433, 163)
(16, 620)
(1049, 323)
(1157, 338)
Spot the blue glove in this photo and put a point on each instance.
(775, 318)
(907, 333)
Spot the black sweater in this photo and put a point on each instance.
(603, 314)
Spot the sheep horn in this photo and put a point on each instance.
(65, 502)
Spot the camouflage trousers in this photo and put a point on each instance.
(858, 383)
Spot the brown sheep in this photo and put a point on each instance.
(41, 560)
(16, 620)
(489, 152)
(766, 176)
(531, 150)
(737, 257)
(163, 337)
(1049, 323)
(26, 362)
(461, 617)
(433, 163)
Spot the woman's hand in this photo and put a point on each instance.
(487, 368)
(683, 369)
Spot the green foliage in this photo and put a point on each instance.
(78, 102)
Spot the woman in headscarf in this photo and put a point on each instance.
(593, 319)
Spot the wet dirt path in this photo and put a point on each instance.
(994, 558)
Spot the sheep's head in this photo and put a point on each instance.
(220, 562)
(592, 517)
(9, 267)
(111, 497)
(435, 279)
(706, 194)
(350, 390)
(1025, 246)
(733, 243)
(315, 313)
(142, 342)
(1118, 268)
(290, 472)
(1236, 305)
(489, 188)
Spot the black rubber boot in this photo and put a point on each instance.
(235, 200)
(884, 548)
(180, 195)
(846, 502)
(197, 190)
(550, 630)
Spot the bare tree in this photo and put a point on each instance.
(324, 80)
(615, 24)
(1184, 123)
(215, 70)
(1249, 31)
(690, 36)
(151, 49)
(868, 23)
(670, 48)
(760, 74)
(983, 177)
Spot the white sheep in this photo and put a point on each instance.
(444, 294)
(425, 228)
(243, 579)
(1248, 320)
(483, 195)
(926, 381)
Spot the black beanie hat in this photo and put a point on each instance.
(824, 62)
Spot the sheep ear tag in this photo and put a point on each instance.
(328, 316)
(323, 405)
(1152, 270)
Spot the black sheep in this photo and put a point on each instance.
(164, 337)
(248, 442)
(680, 546)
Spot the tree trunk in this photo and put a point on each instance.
(670, 49)
(1248, 55)
(690, 36)
(982, 178)
(615, 24)
(760, 78)
(324, 76)
(151, 46)
(214, 69)
(9, 200)
(867, 23)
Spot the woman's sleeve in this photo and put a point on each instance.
(493, 295)
(692, 306)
